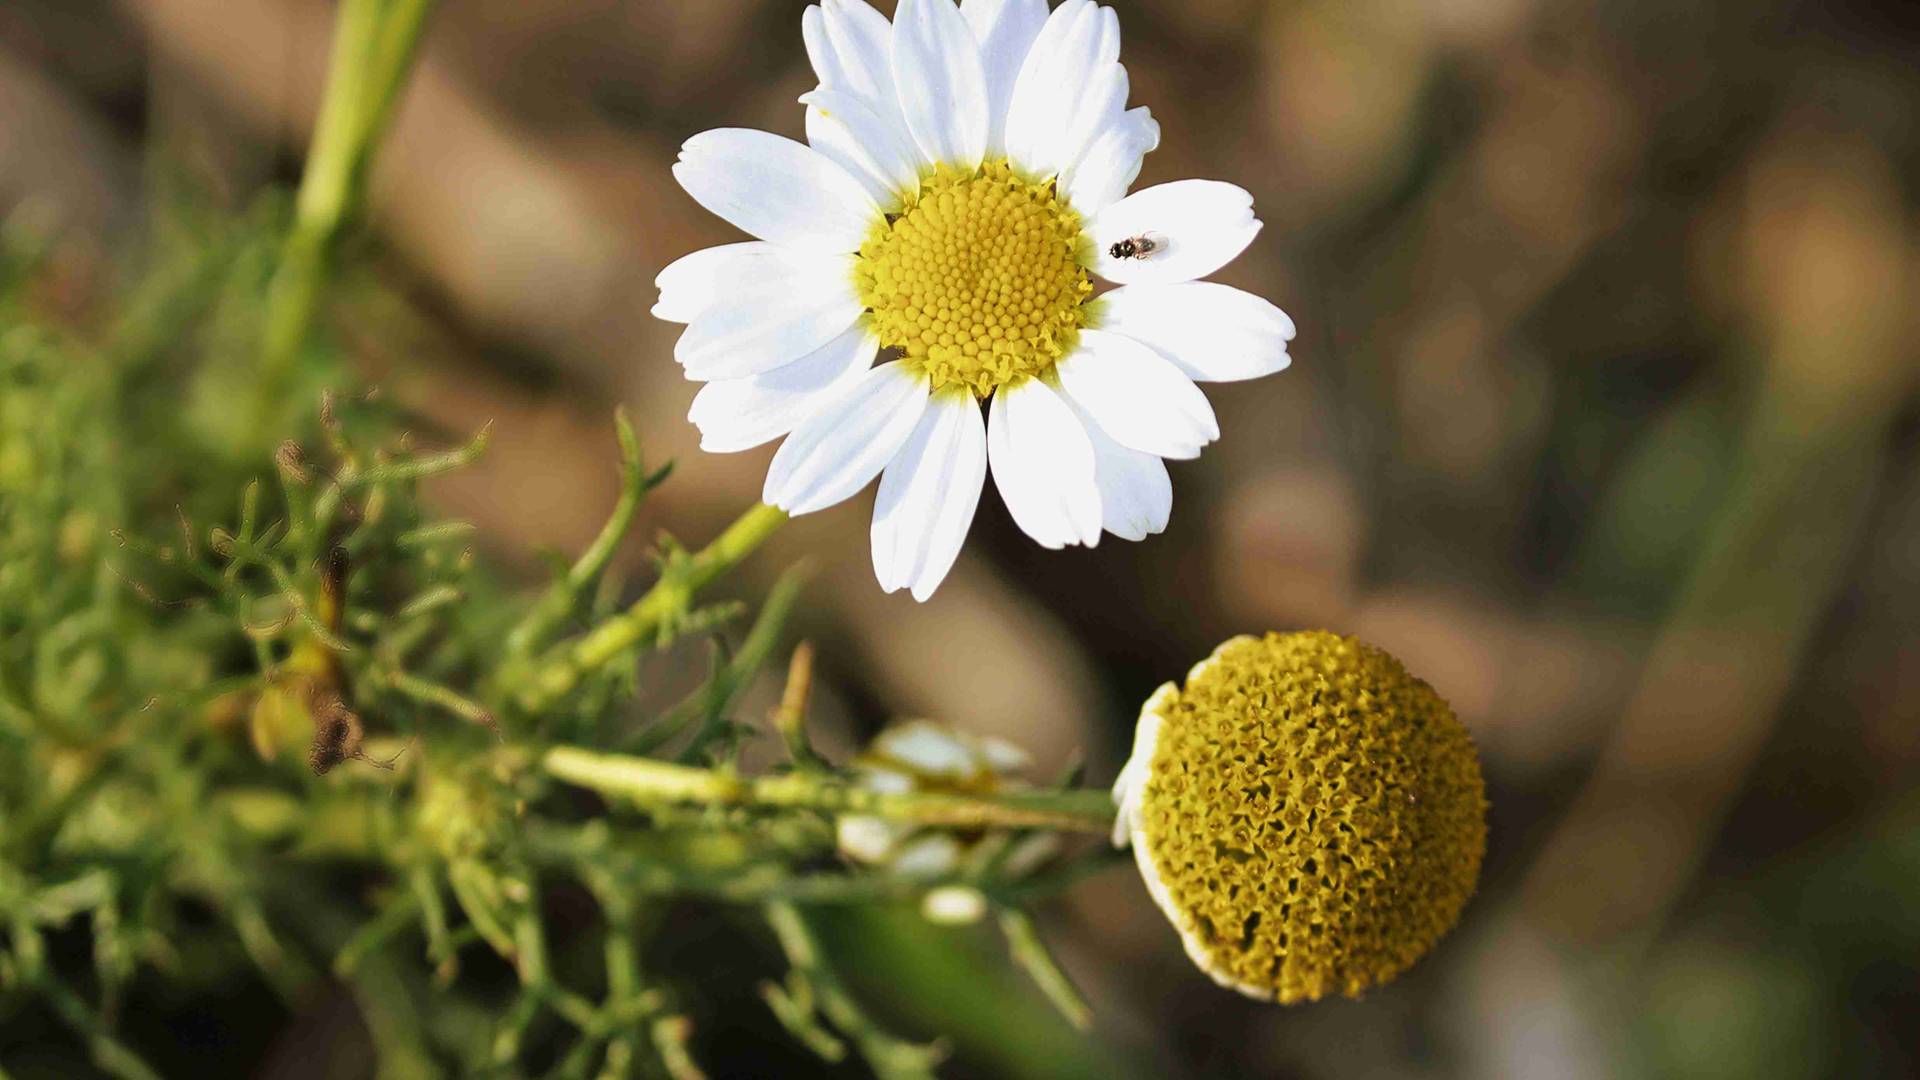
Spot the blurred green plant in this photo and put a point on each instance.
(260, 709)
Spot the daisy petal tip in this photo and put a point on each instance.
(929, 582)
(696, 146)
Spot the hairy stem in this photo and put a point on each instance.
(649, 782)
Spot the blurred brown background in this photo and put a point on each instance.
(1602, 418)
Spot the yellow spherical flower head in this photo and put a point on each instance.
(1310, 816)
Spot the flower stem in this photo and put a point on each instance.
(373, 47)
(560, 601)
(1030, 952)
(649, 782)
(681, 579)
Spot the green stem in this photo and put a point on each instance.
(889, 1056)
(640, 870)
(563, 598)
(373, 47)
(669, 597)
(420, 468)
(649, 782)
(432, 693)
(109, 1054)
(746, 663)
(1030, 951)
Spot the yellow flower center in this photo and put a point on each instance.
(980, 280)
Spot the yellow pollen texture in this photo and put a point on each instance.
(978, 280)
(1316, 815)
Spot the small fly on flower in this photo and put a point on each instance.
(1138, 247)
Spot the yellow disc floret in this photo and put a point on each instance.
(1313, 814)
(979, 280)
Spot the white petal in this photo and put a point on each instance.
(746, 332)
(928, 495)
(740, 414)
(1112, 161)
(1004, 757)
(941, 82)
(851, 48)
(1101, 105)
(1005, 30)
(1130, 786)
(927, 749)
(1137, 396)
(776, 189)
(838, 450)
(1107, 50)
(1136, 494)
(1199, 225)
(869, 839)
(1213, 332)
(884, 780)
(689, 283)
(842, 126)
(838, 144)
(695, 282)
(926, 856)
(1043, 465)
(1063, 59)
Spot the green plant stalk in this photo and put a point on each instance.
(563, 598)
(889, 1056)
(373, 47)
(648, 782)
(680, 581)
(1029, 950)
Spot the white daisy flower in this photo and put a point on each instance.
(964, 179)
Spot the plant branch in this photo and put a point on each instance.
(680, 580)
(648, 782)
(889, 1056)
(560, 601)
